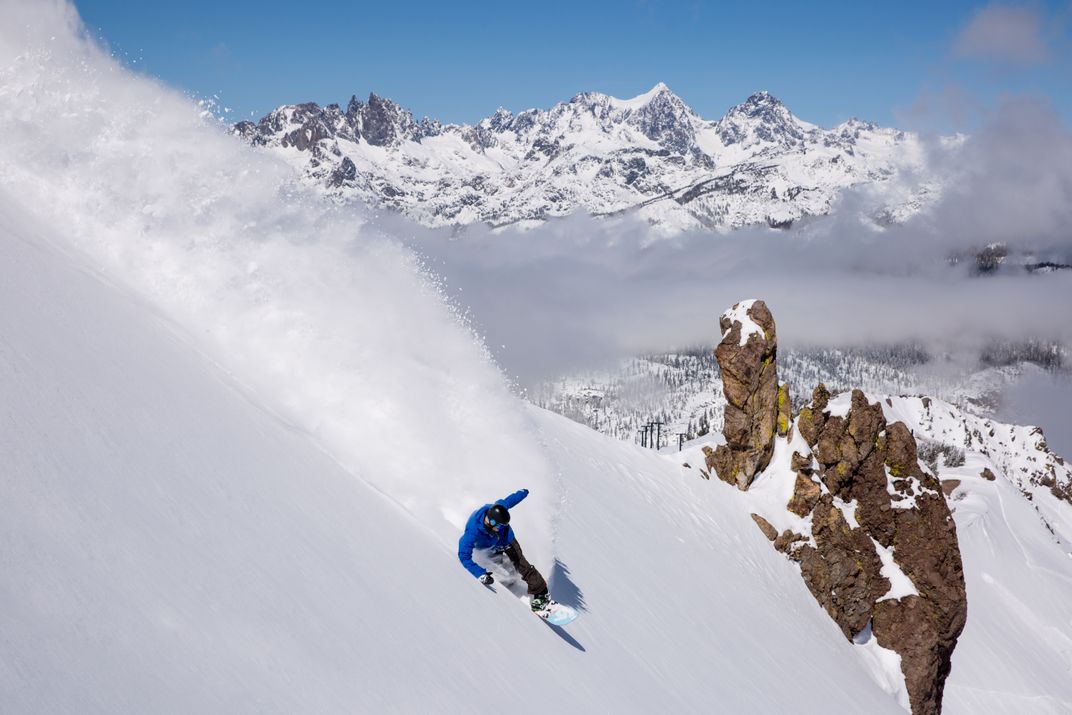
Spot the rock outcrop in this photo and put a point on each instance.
(747, 359)
(871, 530)
(765, 526)
(899, 567)
(843, 571)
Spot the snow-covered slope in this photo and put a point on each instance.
(651, 156)
(1017, 453)
(173, 546)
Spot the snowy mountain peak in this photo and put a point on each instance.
(651, 156)
(762, 118)
(663, 117)
(760, 99)
(763, 107)
(382, 122)
(644, 99)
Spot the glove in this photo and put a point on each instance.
(487, 579)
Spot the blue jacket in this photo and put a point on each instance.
(477, 537)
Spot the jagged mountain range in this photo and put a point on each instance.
(651, 156)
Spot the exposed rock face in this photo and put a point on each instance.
(810, 420)
(382, 122)
(900, 508)
(908, 626)
(805, 495)
(788, 542)
(747, 360)
(843, 570)
(346, 172)
(765, 526)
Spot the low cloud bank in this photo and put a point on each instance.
(1044, 400)
(579, 291)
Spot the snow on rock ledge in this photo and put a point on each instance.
(739, 314)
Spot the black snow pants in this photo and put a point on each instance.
(533, 579)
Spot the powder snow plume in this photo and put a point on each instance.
(318, 316)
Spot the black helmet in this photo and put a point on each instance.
(497, 515)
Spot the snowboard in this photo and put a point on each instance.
(557, 614)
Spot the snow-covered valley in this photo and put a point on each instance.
(243, 428)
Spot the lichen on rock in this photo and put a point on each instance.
(785, 410)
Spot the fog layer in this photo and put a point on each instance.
(578, 291)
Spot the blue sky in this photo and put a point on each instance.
(911, 64)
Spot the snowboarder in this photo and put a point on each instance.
(489, 528)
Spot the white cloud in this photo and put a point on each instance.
(1004, 34)
(579, 291)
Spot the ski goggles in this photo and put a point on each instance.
(492, 524)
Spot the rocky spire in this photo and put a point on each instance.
(747, 359)
(664, 117)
